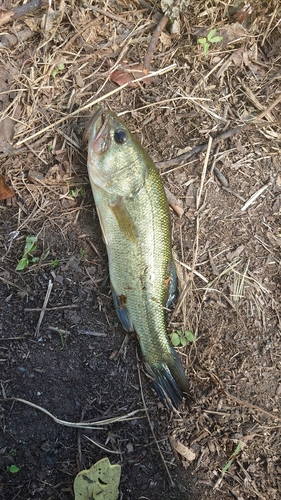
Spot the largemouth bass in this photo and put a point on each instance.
(134, 216)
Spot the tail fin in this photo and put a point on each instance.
(170, 380)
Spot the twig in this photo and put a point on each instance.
(21, 11)
(194, 272)
(48, 293)
(79, 425)
(233, 193)
(242, 402)
(151, 428)
(8, 282)
(9, 40)
(153, 42)
(209, 147)
(37, 309)
(199, 149)
(104, 448)
(96, 101)
(174, 203)
(250, 405)
(254, 197)
(267, 110)
(58, 330)
(270, 23)
(106, 13)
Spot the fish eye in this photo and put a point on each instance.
(120, 136)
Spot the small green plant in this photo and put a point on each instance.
(211, 38)
(180, 338)
(54, 263)
(55, 71)
(62, 339)
(236, 452)
(30, 247)
(75, 192)
(82, 252)
(13, 469)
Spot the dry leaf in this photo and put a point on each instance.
(183, 450)
(166, 40)
(127, 72)
(5, 191)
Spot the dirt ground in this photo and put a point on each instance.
(61, 347)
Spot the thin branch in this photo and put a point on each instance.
(21, 11)
(153, 42)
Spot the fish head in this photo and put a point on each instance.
(115, 157)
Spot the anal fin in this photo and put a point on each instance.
(122, 312)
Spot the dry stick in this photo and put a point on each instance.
(241, 402)
(250, 405)
(79, 425)
(104, 448)
(38, 309)
(151, 428)
(21, 11)
(209, 147)
(254, 197)
(174, 203)
(153, 42)
(48, 293)
(7, 40)
(181, 159)
(106, 13)
(198, 200)
(194, 272)
(199, 149)
(267, 110)
(270, 23)
(92, 103)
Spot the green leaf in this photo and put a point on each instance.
(216, 39)
(13, 469)
(45, 255)
(189, 336)
(30, 244)
(56, 70)
(54, 263)
(183, 342)
(23, 263)
(175, 338)
(211, 34)
(202, 40)
(206, 48)
(35, 259)
(100, 482)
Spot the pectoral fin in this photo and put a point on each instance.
(125, 221)
(121, 310)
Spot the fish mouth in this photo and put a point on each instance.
(99, 137)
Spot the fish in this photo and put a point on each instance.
(135, 220)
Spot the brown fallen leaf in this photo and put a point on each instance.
(5, 191)
(127, 72)
(183, 450)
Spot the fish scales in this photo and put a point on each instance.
(135, 221)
